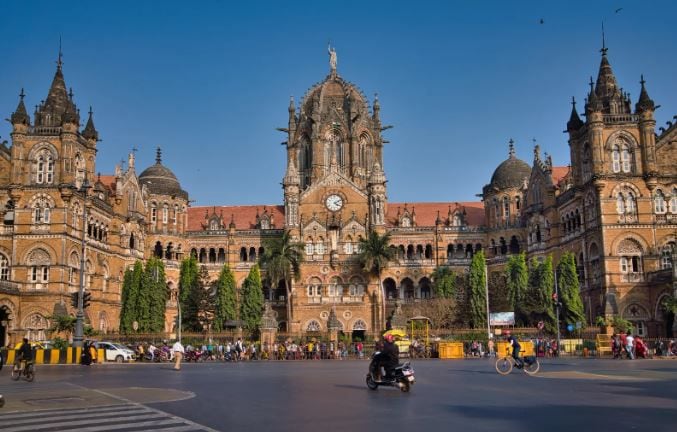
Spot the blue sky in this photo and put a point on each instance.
(209, 81)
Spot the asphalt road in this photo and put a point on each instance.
(567, 394)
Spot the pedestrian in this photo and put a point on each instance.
(178, 354)
(629, 346)
(92, 352)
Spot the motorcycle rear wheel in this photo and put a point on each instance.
(16, 373)
(371, 383)
(405, 387)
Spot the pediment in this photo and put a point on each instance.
(333, 180)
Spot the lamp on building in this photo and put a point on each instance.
(80, 316)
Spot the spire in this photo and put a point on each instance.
(377, 109)
(231, 225)
(158, 156)
(511, 149)
(90, 131)
(575, 121)
(292, 116)
(20, 115)
(291, 177)
(607, 89)
(645, 103)
(57, 101)
(594, 104)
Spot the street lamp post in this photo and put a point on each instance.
(80, 316)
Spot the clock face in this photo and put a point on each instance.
(334, 202)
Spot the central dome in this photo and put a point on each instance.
(511, 173)
(160, 180)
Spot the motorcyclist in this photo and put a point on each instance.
(24, 353)
(514, 343)
(389, 356)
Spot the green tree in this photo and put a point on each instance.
(281, 261)
(63, 324)
(155, 295)
(517, 279)
(444, 282)
(199, 309)
(131, 288)
(569, 290)
(539, 304)
(374, 256)
(251, 306)
(478, 299)
(188, 280)
(225, 304)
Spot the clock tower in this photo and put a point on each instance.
(334, 186)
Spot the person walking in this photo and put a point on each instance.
(178, 354)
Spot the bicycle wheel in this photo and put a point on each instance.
(30, 373)
(16, 373)
(532, 368)
(504, 365)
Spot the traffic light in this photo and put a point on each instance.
(74, 300)
(87, 297)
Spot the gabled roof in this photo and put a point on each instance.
(426, 212)
(243, 216)
(558, 173)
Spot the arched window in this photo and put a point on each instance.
(313, 326)
(252, 254)
(39, 262)
(626, 159)
(158, 250)
(175, 215)
(517, 202)
(586, 162)
(428, 251)
(659, 202)
(673, 201)
(41, 211)
(620, 204)
(4, 267)
(105, 276)
(406, 222)
(44, 167)
(356, 286)
(310, 248)
(319, 246)
(314, 288)
(630, 204)
(165, 213)
(335, 288)
(243, 254)
(630, 260)
(506, 207)
(615, 159)
(666, 255)
(348, 246)
(79, 170)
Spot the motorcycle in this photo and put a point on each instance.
(403, 376)
(194, 356)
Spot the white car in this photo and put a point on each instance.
(116, 352)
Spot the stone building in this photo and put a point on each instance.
(614, 207)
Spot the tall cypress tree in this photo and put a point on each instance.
(444, 282)
(517, 275)
(251, 307)
(539, 304)
(198, 306)
(143, 299)
(188, 279)
(225, 304)
(478, 299)
(569, 290)
(129, 297)
(155, 287)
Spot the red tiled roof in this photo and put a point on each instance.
(558, 173)
(244, 216)
(108, 181)
(426, 212)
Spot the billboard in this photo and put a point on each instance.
(502, 319)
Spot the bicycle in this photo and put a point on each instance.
(22, 369)
(505, 364)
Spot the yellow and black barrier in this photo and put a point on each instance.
(70, 355)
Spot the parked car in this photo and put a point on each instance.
(115, 352)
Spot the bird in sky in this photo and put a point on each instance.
(542, 21)
(619, 9)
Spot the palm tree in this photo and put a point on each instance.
(282, 260)
(375, 254)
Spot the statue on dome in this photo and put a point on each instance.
(332, 58)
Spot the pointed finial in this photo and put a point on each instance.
(592, 85)
(511, 148)
(604, 48)
(59, 61)
(291, 103)
(90, 111)
(158, 156)
(22, 94)
(641, 81)
(573, 101)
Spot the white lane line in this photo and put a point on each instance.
(53, 425)
(140, 425)
(68, 415)
(43, 412)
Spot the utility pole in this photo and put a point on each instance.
(80, 316)
(486, 296)
(557, 303)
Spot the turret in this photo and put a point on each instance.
(20, 119)
(645, 108)
(575, 122)
(90, 132)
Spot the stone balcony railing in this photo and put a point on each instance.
(6, 229)
(9, 287)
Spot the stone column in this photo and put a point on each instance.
(268, 326)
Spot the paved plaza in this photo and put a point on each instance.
(331, 395)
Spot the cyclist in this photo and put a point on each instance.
(24, 354)
(514, 343)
